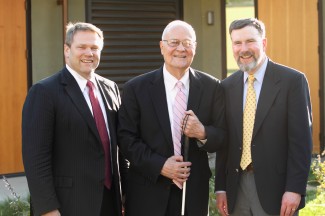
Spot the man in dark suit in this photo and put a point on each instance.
(148, 130)
(270, 177)
(70, 168)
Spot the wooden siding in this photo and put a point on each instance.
(292, 33)
(13, 86)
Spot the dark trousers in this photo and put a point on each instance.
(174, 207)
(108, 204)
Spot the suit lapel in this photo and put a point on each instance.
(269, 91)
(74, 92)
(236, 94)
(111, 108)
(195, 91)
(158, 96)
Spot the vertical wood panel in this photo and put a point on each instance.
(292, 33)
(13, 83)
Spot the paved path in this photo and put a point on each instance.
(19, 185)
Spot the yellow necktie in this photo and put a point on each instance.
(249, 119)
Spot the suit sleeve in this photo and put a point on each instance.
(215, 129)
(123, 162)
(37, 138)
(299, 135)
(221, 158)
(140, 155)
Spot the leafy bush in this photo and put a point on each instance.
(316, 194)
(11, 207)
(14, 206)
(213, 210)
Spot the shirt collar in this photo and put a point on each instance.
(170, 80)
(82, 82)
(259, 74)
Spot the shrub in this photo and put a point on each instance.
(316, 194)
(14, 206)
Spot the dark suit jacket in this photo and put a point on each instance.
(282, 137)
(146, 140)
(62, 152)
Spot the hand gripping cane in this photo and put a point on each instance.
(186, 146)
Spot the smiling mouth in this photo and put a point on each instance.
(87, 61)
(176, 56)
(245, 56)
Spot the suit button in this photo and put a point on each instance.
(239, 148)
(237, 170)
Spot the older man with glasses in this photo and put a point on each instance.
(152, 128)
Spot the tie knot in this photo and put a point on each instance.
(90, 84)
(251, 78)
(179, 84)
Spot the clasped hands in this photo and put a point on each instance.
(176, 169)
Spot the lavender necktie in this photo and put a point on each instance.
(179, 108)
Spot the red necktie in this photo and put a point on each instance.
(102, 130)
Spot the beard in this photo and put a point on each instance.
(244, 66)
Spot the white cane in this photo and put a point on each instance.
(186, 146)
(183, 199)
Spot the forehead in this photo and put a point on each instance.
(179, 32)
(248, 32)
(86, 37)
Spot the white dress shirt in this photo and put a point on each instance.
(171, 90)
(82, 82)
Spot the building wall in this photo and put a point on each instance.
(47, 48)
(209, 54)
(76, 10)
(47, 34)
(300, 32)
(13, 86)
(322, 72)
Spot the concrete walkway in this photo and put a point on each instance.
(18, 184)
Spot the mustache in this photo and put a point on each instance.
(246, 53)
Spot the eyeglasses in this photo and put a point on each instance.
(175, 43)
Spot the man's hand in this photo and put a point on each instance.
(52, 213)
(222, 203)
(174, 168)
(290, 203)
(193, 128)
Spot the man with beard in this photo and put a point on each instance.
(264, 169)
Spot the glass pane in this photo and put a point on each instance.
(236, 9)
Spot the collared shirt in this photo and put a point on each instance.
(171, 90)
(259, 76)
(82, 82)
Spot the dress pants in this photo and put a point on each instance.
(174, 207)
(108, 203)
(247, 203)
